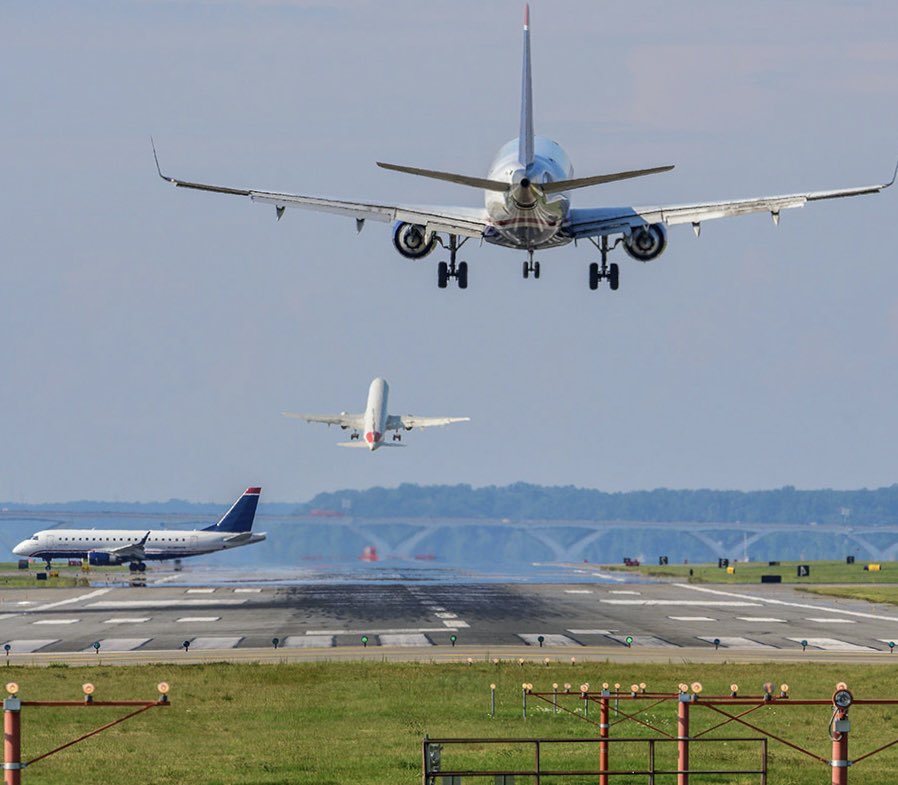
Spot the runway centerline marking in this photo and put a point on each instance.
(247, 591)
(787, 604)
(578, 591)
(691, 618)
(56, 621)
(446, 615)
(624, 591)
(830, 620)
(199, 591)
(455, 624)
(197, 619)
(766, 619)
(132, 620)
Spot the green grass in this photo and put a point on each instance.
(885, 594)
(338, 724)
(12, 577)
(751, 572)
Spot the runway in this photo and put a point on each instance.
(414, 619)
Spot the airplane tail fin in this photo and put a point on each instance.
(525, 135)
(241, 515)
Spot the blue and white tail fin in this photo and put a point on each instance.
(525, 136)
(241, 515)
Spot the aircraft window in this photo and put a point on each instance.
(35, 537)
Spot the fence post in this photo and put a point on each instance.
(683, 739)
(839, 735)
(12, 741)
(603, 734)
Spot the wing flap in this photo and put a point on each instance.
(413, 421)
(343, 420)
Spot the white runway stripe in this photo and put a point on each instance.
(56, 621)
(691, 618)
(591, 632)
(455, 624)
(132, 620)
(28, 646)
(200, 591)
(446, 615)
(247, 591)
(118, 644)
(111, 605)
(197, 619)
(762, 619)
(215, 643)
(687, 603)
(48, 606)
(308, 641)
(645, 642)
(831, 644)
(407, 639)
(532, 639)
(578, 591)
(830, 620)
(736, 642)
(624, 591)
(375, 631)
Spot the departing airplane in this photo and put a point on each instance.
(527, 206)
(103, 547)
(375, 422)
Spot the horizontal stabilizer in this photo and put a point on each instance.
(460, 179)
(357, 443)
(583, 182)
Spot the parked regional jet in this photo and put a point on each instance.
(117, 546)
(527, 206)
(375, 422)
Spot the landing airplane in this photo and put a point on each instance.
(527, 206)
(375, 422)
(103, 547)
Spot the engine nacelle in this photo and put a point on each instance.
(646, 242)
(99, 559)
(413, 240)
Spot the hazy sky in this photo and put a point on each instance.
(151, 336)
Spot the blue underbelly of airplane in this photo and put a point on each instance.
(153, 556)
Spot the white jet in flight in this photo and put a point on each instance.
(116, 546)
(375, 422)
(527, 206)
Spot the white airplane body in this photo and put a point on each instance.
(117, 546)
(527, 206)
(369, 429)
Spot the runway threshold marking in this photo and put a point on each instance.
(308, 641)
(29, 646)
(787, 604)
(831, 644)
(404, 639)
(532, 639)
(204, 642)
(735, 642)
(118, 644)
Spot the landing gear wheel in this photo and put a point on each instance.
(613, 276)
(594, 276)
(526, 269)
(133, 566)
(462, 275)
(536, 270)
(141, 567)
(442, 275)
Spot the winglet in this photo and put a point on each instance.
(894, 175)
(159, 168)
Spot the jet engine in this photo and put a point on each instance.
(99, 559)
(646, 242)
(412, 240)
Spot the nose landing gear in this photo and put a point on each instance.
(530, 267)
(451, 269)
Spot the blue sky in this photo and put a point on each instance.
(151, 337)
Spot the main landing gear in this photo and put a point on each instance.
(605, 272)
(137, 566)
(531, 267)
(459, 271)
(397, 437)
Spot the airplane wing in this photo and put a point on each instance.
(409, 421)
(343, 419)
(466, 221)
(133, 550)
(611, 220)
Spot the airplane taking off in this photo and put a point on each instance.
(375, 422)
(527, 206)
(103, 547)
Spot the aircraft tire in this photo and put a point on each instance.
(526, 270)
(614, 276)
(442, 275)
(594, 276)
(536, 270)
(141, 567)
(132, 566)
(462, 275)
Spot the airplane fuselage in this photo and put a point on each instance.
(524, 217)
(160, 545)
(376, 414)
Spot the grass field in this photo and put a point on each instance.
(751, 572)
(886, 594)
(338, 724)
(12, 577)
